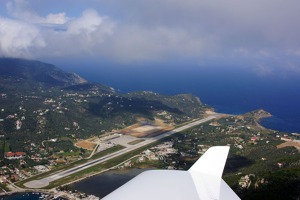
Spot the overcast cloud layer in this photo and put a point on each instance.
(264, 33)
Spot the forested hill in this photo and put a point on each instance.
(37, 71)
(39, 101)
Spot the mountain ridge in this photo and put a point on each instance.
(38, 71)
(31, 105)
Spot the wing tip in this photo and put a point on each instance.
(212, 161)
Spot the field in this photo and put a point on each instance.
(149, 129)
(85, 144)
(289, 144)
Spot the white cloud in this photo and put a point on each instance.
(251, 31)
(89, 22)
(30, 35)
(58, 18)
(17, 38)
(83, 36)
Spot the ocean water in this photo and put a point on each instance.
(227, 90)
(233, 90)
(102, 184)
(26, 196)
(21, 196)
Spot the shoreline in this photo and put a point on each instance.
(286, 125)
(258, 115)
(26, 191)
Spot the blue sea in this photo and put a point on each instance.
(102, 184)
(27, 196)
(233, 90)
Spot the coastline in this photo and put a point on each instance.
(256, 115)
(107, 181)
(45, 195)
(27, 190)
(262, 115)
(275, 122)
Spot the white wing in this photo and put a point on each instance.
(202, 181)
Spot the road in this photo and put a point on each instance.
(45, 181)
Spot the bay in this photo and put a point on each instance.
(102, 184)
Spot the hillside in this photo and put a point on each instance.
(39, 72)
(40, 102)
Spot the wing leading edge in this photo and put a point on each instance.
(202, 181)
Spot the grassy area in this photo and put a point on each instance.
(74, 153)
(65, 138)
(6, 148)
(107, 151)
(65, 167)
(187, 122)
(135, 142)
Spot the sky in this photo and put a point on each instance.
(262, 35)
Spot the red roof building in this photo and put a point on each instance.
(14, 155)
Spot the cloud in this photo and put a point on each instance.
(263, 70)
(89, 22)
(234, 24)
(30, 35)
(17, 39)
(58, 18)
(252, 31)
(152, 44)
(83, 36)
(20, 9)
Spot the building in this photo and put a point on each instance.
(14, 155)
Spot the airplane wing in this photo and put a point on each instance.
(202, 181)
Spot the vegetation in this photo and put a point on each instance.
(44, 111)
(135, 142)
(253, 153)
(49, 110)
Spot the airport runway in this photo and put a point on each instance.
(45, 181)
